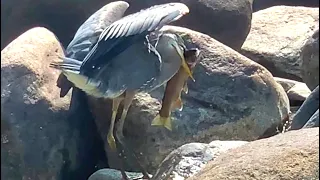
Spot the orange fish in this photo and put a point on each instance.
(172, 96)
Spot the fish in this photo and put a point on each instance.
(172, 96)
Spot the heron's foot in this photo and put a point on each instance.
(111, 142)
(162, 121)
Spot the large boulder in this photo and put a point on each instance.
(277, 36)
(292, 155)
(232, 98)
(41, 139)
(228, 21)
(310, 61)
(62, 17)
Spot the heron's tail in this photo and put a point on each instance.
(71, 69)
(68, 64)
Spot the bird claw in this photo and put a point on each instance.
(111, 142)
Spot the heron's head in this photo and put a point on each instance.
(182, 49)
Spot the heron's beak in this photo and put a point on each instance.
(184, 63)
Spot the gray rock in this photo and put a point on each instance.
(233, 98)
(40, 138)
(228, 21)
(287, 84)
(313, 121)
(276, 37)
(113, 174)
(307, 109)
(193, 157)
(296, 91)
(310, 61)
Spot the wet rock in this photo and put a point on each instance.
(113, 174)
(41, 139)
(192, 157)
(310, 61)
(228, 21)
(287, 156)
(307, 109)
(276, 37)
(233, 98)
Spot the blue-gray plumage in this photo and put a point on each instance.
(131, 55)
(88, 34)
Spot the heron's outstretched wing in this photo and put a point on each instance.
(89, 32)
(88, 35)
(122, 33)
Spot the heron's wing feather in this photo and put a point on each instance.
(89, 32)
(123, 33)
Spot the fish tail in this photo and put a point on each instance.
(162, 121)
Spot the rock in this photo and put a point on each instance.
(192, 157)
(275, 41)
(313, 121)
(62, 17)
(113, 174)
(292, 155)
(297, 91)
(287, 84)
(229, 20)
(263, 4)
(310, 61)
(233, 98)
(307, 109)
(39, 140)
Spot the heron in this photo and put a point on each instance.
(131, 55)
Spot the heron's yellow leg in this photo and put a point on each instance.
(110, 138)
(126, 105)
